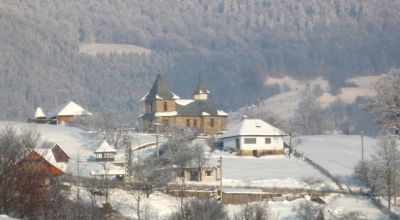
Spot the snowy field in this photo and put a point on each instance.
(339, 154)
(268, 171)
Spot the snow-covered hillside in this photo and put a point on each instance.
(284, 103)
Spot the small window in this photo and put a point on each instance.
(212, 122)
(195, 122)
(209, 172)
(180, 173)
(267, 140)
(187, 122)
(250, 141)
(165, 106)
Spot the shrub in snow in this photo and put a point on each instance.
(305, 211)
(254, 211)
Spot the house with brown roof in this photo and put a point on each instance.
(165, 108)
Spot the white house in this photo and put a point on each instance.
(254, 137)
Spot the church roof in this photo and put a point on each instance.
(201, 88)
(197, 108)
(159, 90)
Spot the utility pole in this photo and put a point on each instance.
(157, 139)
(78, 214)
(128, 154)
(220, 179)
(362, 146)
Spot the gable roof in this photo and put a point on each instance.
(256, 127)
(105, 147)
(70, 108)
(159, 90)
(48, 155)
(39, 113)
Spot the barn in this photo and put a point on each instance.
(67, 113)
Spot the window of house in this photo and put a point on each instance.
(165, 106)
(250, 141)
(209, 172)
(195, 122)
(267, 140)
(187, 122)
(151, 107)
(180, 173)
(212, 122)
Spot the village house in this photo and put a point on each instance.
(67, 113)
(254, 137)
(165, 108)
(105, 152)
(40, 117)
(208, 173)
(55, 155)
(45, 163)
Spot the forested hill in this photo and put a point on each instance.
(233, 44)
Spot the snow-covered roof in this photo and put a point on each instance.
(161, 114)
(222, 113)
(160, 91)
(111, 172)
(144, 97)
(39, 113)
(70, 108)
(48, 155)
(205, 114)
(105, 147)
(247, 127)
(184, 101)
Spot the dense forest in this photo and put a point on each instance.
(233, 44)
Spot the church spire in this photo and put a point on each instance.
(159, 90)
(200, 92)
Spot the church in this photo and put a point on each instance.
(164, 108)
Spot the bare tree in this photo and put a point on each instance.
(200, 209)
(150, 174)
(310, 118)
(108, 129)
(351, 216)
(305, 211)
(386, 103)
(254, 211)
(199, 158)
(312, 183)
(24, 188)
(385, 166)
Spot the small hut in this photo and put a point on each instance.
(105, 152)
(40, 117)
